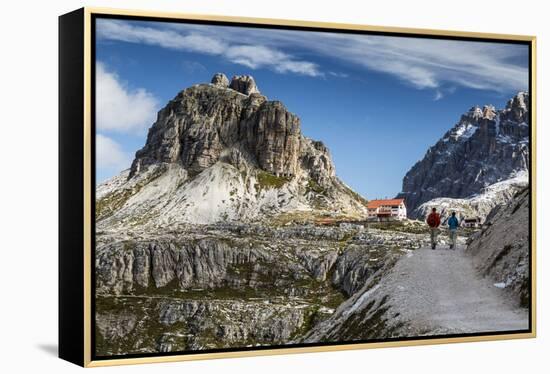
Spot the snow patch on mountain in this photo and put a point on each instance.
(484, 147)
(464, 131)
(478, 205)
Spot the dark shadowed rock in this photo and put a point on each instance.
(501, 249)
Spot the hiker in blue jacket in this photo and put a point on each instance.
(452, 222)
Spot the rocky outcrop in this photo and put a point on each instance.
(272, 134)
(205, 263)
(244, 84)
(168, 325)
(202, 121)
(316, 159)
(240, 256)
(486, 146)
(501, 249)
(220, 80)
(222, 152)
(366, 314)
(231, 285)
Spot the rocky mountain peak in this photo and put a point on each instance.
(517, 107)
(485, 146)
(203, 123)
(220, 80)
(244, 84)
(489, 112)
(222, 151)
(475, 113)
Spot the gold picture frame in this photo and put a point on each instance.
(76, 168)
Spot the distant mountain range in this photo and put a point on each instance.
(222, 152)
(485, 147)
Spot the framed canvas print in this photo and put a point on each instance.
(235, 186)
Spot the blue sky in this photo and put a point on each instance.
(377, 102)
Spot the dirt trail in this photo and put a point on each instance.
(441, 291)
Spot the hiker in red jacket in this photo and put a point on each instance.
(433, 220)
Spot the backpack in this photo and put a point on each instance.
(431, 220)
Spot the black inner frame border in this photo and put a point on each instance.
(95, 16)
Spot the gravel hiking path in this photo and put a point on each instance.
(441, 291)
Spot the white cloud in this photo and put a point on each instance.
(124, 31)
(420, 62)
(119, 108)
(110, 157)
(429, 63)
(194, 39)
(258, 56)
(438, 95)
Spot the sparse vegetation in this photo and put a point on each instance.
(410, 227)
(114, 201)
(313, 186)
(267, 180)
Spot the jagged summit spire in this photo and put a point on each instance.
(520, 101)
(517, 108)
(244, 84)
(197, 130)
(220, 79)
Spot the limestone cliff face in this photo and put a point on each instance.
(202, 121)
(222, 152)
(501, 249)
(486, 146)
(231, 285)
